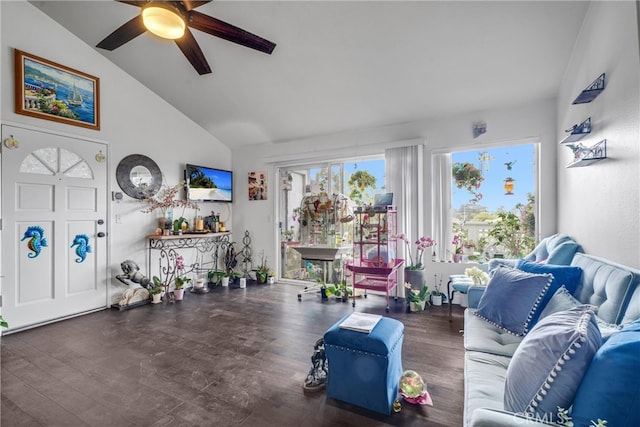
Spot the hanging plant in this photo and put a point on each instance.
(467, 176)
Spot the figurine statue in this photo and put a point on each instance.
(132, 274)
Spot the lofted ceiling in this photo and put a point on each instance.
(341, 66)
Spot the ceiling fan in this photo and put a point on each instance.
(172, 19)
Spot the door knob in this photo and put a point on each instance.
(101, 234)
(100, 221)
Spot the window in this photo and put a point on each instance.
(493, 202)
(314, 209)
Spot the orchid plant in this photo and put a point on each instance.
(417, 295)
(422, 244)
(166, 200)
(180, 279)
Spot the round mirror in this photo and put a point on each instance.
(141, 177)
(138, 176)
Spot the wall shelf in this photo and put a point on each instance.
(585, 156)
(578, 132)
(591, 92)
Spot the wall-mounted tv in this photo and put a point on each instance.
(209, 184)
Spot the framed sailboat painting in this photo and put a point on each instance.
(51, 91)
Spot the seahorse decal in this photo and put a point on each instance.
(36, 241)
(83, 248)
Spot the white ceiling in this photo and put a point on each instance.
(340, 66)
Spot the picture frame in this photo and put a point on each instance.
(257, 186)
(50, 91)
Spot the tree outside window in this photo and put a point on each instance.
(493, 202)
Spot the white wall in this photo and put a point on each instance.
(535, 120)
(133, 121)
(599, 205)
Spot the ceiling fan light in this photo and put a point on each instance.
(163, 22)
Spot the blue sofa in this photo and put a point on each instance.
(607, 385)
(557, 249)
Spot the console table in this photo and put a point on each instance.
(167, 247)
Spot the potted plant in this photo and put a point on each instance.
(180, 280)
(437, 296)
(414, 270)
(230, 262)
(262, 271)
(340, 291)
(466, 175)
(156, 295)
(179, 283)
(214, 277)
(417, 297)
(458, 244)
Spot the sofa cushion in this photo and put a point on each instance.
(610, 389)
(563, 275)
(484, 376)
(604, 284)
(548, 366)
(632, 312)
(480, 335)
(511, 299)
(555, 249)
(563, 300)
(563, 253)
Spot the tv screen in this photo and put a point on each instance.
(209, 184)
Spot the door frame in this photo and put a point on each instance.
(108, 191)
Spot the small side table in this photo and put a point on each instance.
(457, 283)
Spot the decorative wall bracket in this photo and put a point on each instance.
(591, 92)
(577, 132)
(584, 156)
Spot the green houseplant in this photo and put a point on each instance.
(179, 283)
(262, 271)
(339, 291)
(156, 295)
(417, 298)
(466, 175)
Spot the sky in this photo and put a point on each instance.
(520, 157)
(522, 160)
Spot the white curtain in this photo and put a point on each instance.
(404, 178)
(441, 223)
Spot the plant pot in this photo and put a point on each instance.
(417, 278)
(225, 281)
(457, 257)
(156, 298)
(178, 294)
(436, 300)
(416, 306)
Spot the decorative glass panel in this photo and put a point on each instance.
(80, 170)
(68, 159)
(31, 164)
(50, 161)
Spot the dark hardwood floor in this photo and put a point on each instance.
(232, 357)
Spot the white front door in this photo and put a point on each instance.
(54, 212)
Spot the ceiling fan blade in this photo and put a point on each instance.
(189, 46)
(192, 4)
(218, 28)
(138, 3)
(128, 31)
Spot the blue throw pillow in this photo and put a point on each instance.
(563, 300)
(610, 389)
(511, 299)
(550, 362)
(563, 275)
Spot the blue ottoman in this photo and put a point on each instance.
(364, 369)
